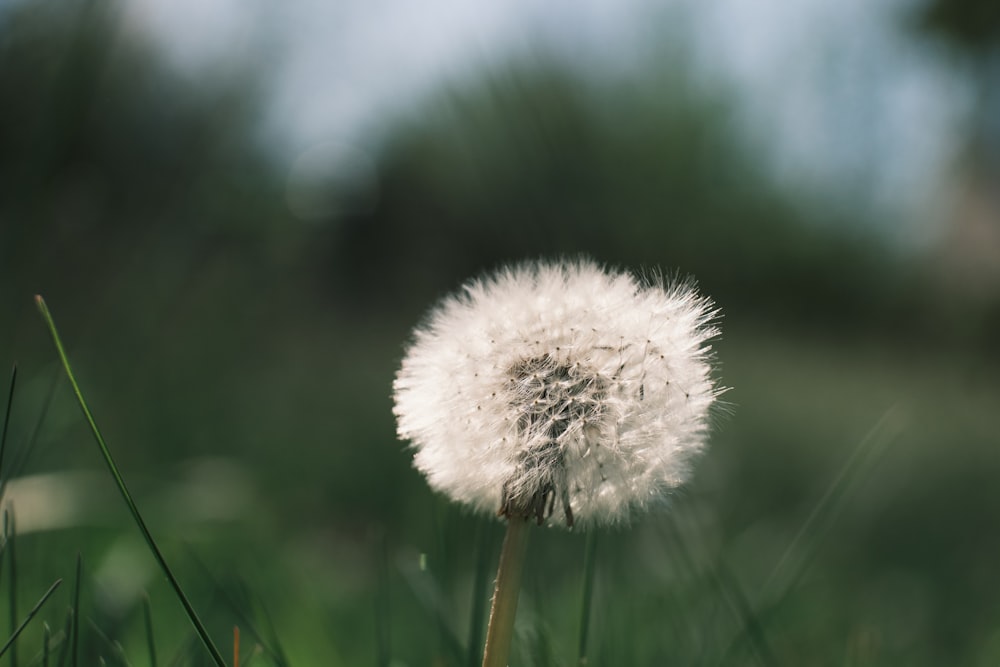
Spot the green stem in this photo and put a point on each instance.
(589, 565)
(508, 586)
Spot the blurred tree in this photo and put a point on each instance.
(108, 155)
(647, 171)
(969, 254)
(140, 202)
(972, 28)
(143, 204)
(973, 25)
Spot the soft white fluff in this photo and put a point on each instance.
(559, 391)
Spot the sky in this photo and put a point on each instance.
(840, 98)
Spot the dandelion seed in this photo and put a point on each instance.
(559, 392)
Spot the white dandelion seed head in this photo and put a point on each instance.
(559, 391)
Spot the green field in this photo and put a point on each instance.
(239, 361)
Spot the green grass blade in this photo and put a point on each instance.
(126, 495)
(383, 639)
(480, 589)
(46, 638)
(795, 561)
(185, 654)
(589, 567)
(752, 627)
(67, 639)
(117, 650)
(237, 597)
(250, 656)
(19, 458)
(272, 647)
(718, 576)
(806, 542)
(427, 591)
(6, 419)
(74, 643)
(31, 614)
(147, 616)
(9, 534)
(279, 655)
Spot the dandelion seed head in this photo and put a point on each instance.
(560, 392)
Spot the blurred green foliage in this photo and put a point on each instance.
(535, 160)
(205, 320)
(971, 25)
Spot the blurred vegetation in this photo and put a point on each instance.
(973, 25)
(536, 161)
(229, 348)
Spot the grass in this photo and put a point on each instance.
(826, 526)
(126, 495)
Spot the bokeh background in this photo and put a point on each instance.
(237, 212)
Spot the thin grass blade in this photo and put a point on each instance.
(31, 614)
(428, 592)
(46, 638)
(795, 561)
(19, 457)
(147, 616)
(589, 568)
(718, 576)
(10, 540)
(752, 628)
(277, 651)
(6, 419)
(117, 651)
(75, 629)
(250, 658)
(67, 639)
(185, 654)
(243, 612)
(126, 495)
(480, 589)
(805, 544)
(383, 640)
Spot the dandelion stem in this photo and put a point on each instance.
(508, 586)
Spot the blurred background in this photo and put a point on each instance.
(238, 211)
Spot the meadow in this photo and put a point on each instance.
(239, 359)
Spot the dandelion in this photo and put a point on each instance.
(559, 393)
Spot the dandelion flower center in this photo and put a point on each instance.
(556, 403)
